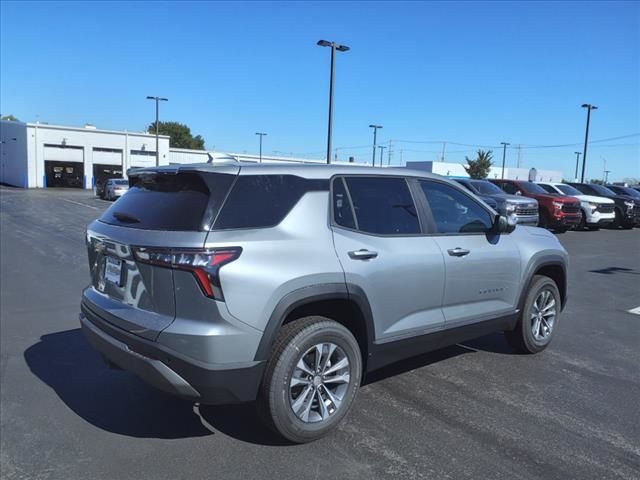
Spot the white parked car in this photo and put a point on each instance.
(596, 211)
(115, 188)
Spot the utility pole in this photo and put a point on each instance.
(341, 48)
(519, 155)
(577, 162)
(589, 107)
(504, 156)
(260, 134)
(381, 147)
(606, 176)
(375, 132)
(444, 147)
(389, 152)
(158, 100)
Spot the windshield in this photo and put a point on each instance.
(486, 188)
(601, 190)
(569, 190)
(624, 191)
(531, 187)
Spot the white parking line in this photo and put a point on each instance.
(79, 203)
(635, 311)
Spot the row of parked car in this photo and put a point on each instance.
(560, 206)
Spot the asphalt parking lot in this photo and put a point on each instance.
(469, 411)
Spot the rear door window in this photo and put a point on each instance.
(175, 202)
(382, 205)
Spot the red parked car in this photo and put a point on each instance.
(557, 212)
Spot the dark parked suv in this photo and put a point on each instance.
(289, 283)
(523, 208)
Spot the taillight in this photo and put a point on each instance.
(204, 264)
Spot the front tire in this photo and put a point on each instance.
(539, 318)
(311, 379)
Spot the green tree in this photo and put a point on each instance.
(10, 118)
(479, 168)
(180, 135)
(596, 181)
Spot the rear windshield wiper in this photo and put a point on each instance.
(125, 217)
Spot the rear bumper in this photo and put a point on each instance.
(168, 370)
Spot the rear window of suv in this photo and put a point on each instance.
(174, 202)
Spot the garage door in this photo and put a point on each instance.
(64, 166)
(142, 158)
(102, 172)
(107, 156)
(64, 174)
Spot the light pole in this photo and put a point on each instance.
(158, 100)
(504, 156)
(375, 132)
(381, 147)
(589, 107)
(341, 48)
(606, 176)
(260, 134)
(577, 162)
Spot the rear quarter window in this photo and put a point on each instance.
(262, 201)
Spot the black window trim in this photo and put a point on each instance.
(344, 176)
(465, 192)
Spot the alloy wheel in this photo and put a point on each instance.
(543, 315)
(319, 382)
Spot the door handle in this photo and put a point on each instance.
(458, 252)
(362, 254)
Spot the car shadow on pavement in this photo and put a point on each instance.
(119, 402)
(612, 270)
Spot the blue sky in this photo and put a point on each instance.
(474, 73)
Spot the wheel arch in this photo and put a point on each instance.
(347, 306)
(554, 268)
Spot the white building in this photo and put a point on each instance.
(42, 155)
(37, 155)
(457, 170)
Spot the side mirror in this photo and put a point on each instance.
(505, 224)
(518, 192)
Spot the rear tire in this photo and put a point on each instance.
(539, 317)
(302, 396)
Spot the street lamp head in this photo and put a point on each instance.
(150, 97)
(504, 143)
(162, 99)
(324, 43)
(342, 48)
(375, 126)
(589, 106)
(260, 133)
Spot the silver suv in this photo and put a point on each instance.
(288, 284)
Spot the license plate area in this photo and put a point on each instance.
(113, 271)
